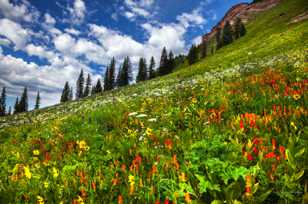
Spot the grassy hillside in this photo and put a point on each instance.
(231, 128)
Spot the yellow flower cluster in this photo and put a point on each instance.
(83, 145)
(36, 152)
(27, 172)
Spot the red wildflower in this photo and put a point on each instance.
(93, 185)
(270, 155)
(282, 150)
(241, 124)
(120, 199)
(168, 144)
(166, 201)
(175, 162)
(123, 167)
(157, 202)
(274, 144)
(255, 150)
(249, 157)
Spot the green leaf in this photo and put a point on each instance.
(300, 153)
(298, 175)
(262, 197)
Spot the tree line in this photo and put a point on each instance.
(223, 38)
(168, 62)
(124, 76)
(21, 105)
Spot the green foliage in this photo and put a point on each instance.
(227, 34)
(65, 93)
(142, 70)
(80, 85)
(192, 55)
(125, 73)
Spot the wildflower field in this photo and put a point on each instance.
(230, 129)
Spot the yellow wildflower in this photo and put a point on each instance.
(131, 180)
(293, 125)
(46, 184)
(182, 177)
(194, 100)
(27, 172)
(36, 152)
(83, 145)
(149, 132)
(296, 96)
(80, 200)
(40, 200)
(187, 198)
(55, 172)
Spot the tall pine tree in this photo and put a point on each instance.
(152, 72)
(142, 73)
(16, 106)
(204, 49)
(109, 78)
(80, 85)
(87, 90)
(125, 73)
(227, 34)
(239, 30)
(193, 55)
(70, 96)
(97, 88)
(37, 101)
(163, 65)
(3, 102)
(65, 93)
(171, 62)
(23, 104)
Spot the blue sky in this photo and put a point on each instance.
(45, 43)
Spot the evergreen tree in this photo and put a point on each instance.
(70, 95)
(65, 93)
(193, 55)
(152, 71)
(204, 49)
(171, 62)
(218, 39)
(240, 29)
(125, 73)
(3, 102)
(37, 101)
(163, 66)
(227, 34)
(87, 90)
(16, 106)
(23, 104)
(106, 79)
(142, 73)
(80, 86)
(10, 111)
(98, 87)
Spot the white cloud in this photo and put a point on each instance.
(39, 51)
(14, 32)
(64, 43)
(49, 19)
(138, 8)
(193, 18)
(78, 11)
(72, 31)
(197, 40)
(17, 12)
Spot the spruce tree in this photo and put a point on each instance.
(227, 34)
(10, 111)
(142, 73)
(171, 62)
(204, 49)
(193, 55)
(16, 106)
(98, 87)
(37, 101)
(106, 79)
(163, 65)
(3, 102)
(218, 39)
(240, 29)
(125, 73)
(152, 72)
(87, 90)
(111, 76)
(70, 96)
(80, 86)
(65, 93)
(23, 104)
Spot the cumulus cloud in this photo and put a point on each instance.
(49, 19)
(194, 18)
(39, 51)
(14, 32)
(64, 43)
(72, 31)
(78, 11)
(138, 8)
(23, 11)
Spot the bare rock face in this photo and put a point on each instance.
(244, 11)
